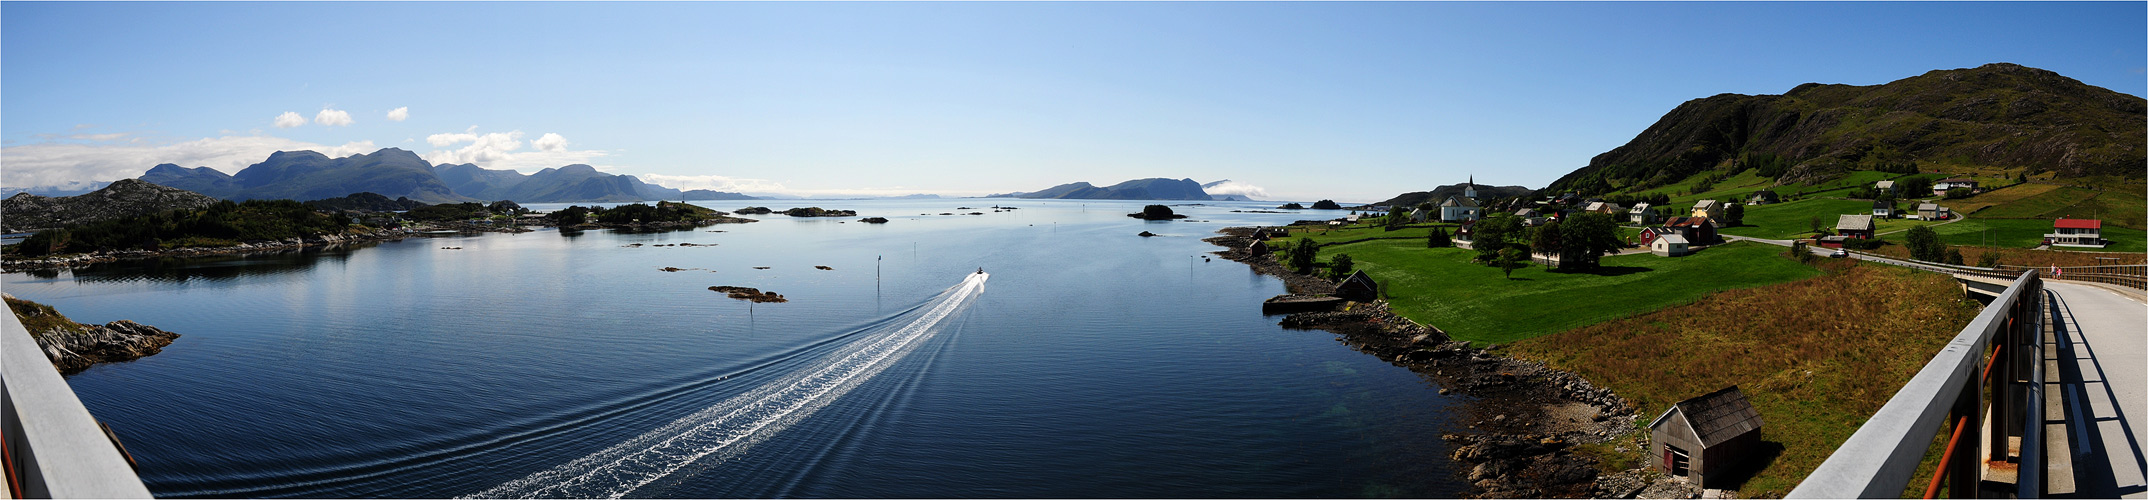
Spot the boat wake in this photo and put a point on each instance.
(723, 431)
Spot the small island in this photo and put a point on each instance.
(748, 294)
(1156, 212)
(819, 212)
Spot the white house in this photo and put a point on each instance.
(2076, 233)
(1883, 209)
(1641, 214)
(1708, 208)
(1669, 245)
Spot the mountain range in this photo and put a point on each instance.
(2005, 116)
(1138, 189)
(393, 172)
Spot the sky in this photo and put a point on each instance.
(1291, 101)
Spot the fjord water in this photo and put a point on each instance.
(1092, 363)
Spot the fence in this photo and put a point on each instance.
(1999, 350)
(50, 447)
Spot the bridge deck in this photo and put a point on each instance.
(2104, 333)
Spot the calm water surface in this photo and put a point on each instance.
(1091, 363)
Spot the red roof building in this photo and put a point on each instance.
(2076, 233)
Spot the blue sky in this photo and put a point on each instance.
(1352, 101)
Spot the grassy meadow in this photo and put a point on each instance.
(1816, 357)
(1443, 288)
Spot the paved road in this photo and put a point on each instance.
(2108, 333)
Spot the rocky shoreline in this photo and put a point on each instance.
(1527, 419)
(73, 347)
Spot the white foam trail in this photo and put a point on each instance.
(732, 426)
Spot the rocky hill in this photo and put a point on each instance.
(1137, 189)
(366, 202)
(1442, 193)
(1997, 115)
(121, 199)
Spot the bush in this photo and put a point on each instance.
(1863, 244)
(1340, 266)
(1438, 239)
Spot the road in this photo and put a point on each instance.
(2105, 375)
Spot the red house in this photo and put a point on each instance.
(2076, 233)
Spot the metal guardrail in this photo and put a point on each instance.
(2131, 276)
(53, 448)
(1882, 456)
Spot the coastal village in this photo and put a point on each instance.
(1630, 331)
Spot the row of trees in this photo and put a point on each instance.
(1580, 241)
(663, 211)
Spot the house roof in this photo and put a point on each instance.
(1927, 206)
(1687, 222)
(1958, 180)
(1706, 204)
(1884, 184)
(1882, 204)
(1672, 238)
(1526, 212)
(1718, 416)
(1459, 201)
(1854, 223)
(2078, 224)
(1638, 208)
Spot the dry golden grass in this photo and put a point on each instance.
(1816, 357)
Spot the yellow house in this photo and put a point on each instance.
(1708, 208)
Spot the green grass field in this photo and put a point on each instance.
(2026, 233)
(1327, 236)
(1838, 187)
(1794, 219)
(1473, 302)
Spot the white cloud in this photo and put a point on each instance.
(1238, 188)
(72, 163)
(550, 142)
(332, 117)
(497, 150)
(289, 119)
(399, 114)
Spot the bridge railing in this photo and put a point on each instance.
(1999, 350)
(52, 447)
(2134, 276)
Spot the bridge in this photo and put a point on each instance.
(2042, 395)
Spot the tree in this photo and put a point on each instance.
(1913, 187)
(1547, 238)
(1493, 234)
(1438, 239)
(1800, 251)
(1924, 244)
(1734, 215)
(1818, 223)
(1954, 256)
(1988, 259)
(1397, 219)
(1584, 239)
(1510, 259)
(1339, 267)
(571, 216)
(1300, 256)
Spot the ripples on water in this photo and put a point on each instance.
(1099, 365)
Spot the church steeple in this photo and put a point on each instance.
(1470, 190)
